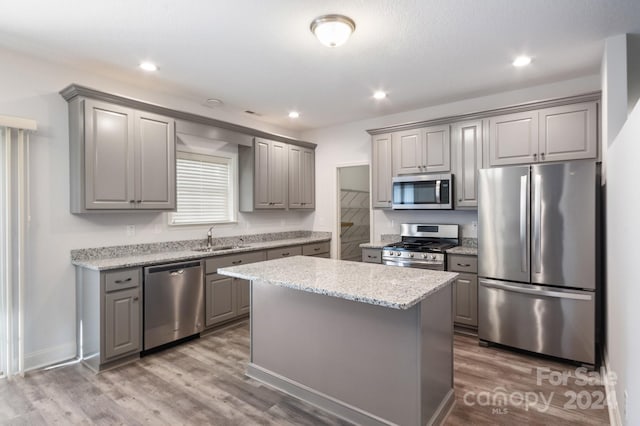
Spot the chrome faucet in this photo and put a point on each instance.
(210, 237)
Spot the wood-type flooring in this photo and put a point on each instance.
(203, 382)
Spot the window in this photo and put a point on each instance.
(205, 190)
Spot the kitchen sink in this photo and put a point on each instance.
(217, 248)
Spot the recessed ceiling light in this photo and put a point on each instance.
(333, 30)
(214, 102)
(294, 114)
(148, 66)
(522, 61)
(379, 94)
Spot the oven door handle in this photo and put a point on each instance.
(438, 185)
(414, 264)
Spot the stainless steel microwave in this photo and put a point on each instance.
(423, 192)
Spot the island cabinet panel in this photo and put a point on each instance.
(120, 158)
(350, 354)
(122, 323)
(381, 171)
(243, 297)
(467, 140)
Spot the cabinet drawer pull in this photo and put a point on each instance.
(465, 265)
(316, 249)
(285, 254)
(372, 257)
(236, 262)
(132, 201)
(122, 281)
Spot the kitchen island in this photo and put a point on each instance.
(370, 343)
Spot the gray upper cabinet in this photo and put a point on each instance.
(568, 132)
(513, 138)
(407, 152)
(421, 150)
(381, 171)
(120, 158)
(301, 177)
(560, 133)
(155, 161)
(264, 175)
(467, 138)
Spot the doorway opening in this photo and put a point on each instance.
(354, 211)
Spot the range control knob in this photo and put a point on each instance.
(424, 255)
(398, 254)
(410, 254)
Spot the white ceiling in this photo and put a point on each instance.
(259, 55)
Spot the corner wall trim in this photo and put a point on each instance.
(615, 419)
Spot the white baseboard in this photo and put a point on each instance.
(49, 356)
(615, 419)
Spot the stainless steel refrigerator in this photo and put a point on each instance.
(537, 258)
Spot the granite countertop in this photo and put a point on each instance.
(151, 254)
(469, 251)
(397, 288)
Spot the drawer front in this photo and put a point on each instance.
(213, 263)
(284, 252)
(460, 263)
(372, 255)
(122, 279)
(313, 249)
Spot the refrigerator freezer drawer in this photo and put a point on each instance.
(545, 320)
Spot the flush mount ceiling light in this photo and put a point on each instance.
(148, 66)
(333, 30)
(522, 61)
(294, 114)
(379, 95)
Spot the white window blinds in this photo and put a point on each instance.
(205, 190)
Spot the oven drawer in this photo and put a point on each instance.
(462, 263)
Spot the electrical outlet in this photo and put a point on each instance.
(131, 230)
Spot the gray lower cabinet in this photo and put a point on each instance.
(220, 300)
(227, 298)
(317, 250)
(280, 252)
(109, 308)
(120, 158)
(372, 255)
(122, 312)
(465, 290)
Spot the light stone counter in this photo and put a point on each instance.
(106, 258)
(468, 251)
(398, 288)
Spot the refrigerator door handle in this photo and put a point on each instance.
(535, 292)
(537, 218)
(438, 183)
(523, 222)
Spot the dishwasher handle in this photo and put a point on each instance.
(173, 268)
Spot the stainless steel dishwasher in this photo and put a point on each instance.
(173, 302)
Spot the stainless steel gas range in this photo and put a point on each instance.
(423, 245)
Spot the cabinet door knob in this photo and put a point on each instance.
(535, 156)
(542, 155)
(459, 200)
(135, 299)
